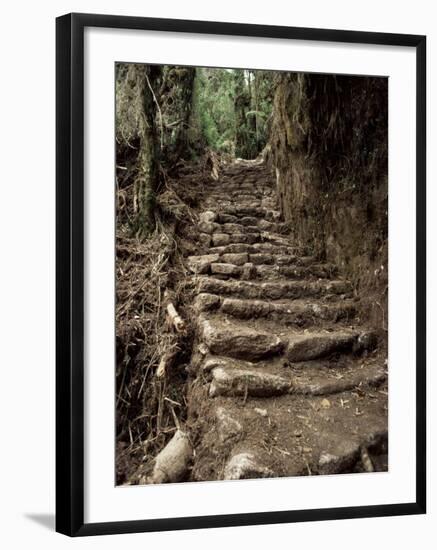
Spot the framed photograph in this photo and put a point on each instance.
(240, 274)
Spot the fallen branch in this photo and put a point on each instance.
(174, 318)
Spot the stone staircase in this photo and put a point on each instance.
(287, 381)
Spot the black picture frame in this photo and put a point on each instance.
(70, 273)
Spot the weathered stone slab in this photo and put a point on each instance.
(248, 271)
(234, 382)
(201, 264)
(236, 259)
(265, 225)
(221, 239)
(248, 220)
(234, 228)
(227, 218)
(229, 270)
(366, 376)
(205, 239)
(208, 216)
(273, 290)
(260, 258)
(208, 227)
(273, 259)
(300, 313)
(238, 341)
(235, 248)
(206, 302)
(248, 238)
(313, 346)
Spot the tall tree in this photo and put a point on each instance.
(176, 100)
(147, 176)
(137, 136)
(186, 85)
(242, 106)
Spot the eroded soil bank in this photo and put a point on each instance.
(329, 158)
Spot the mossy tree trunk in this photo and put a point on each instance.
(186, 82)
(148, 157)
(176, 100)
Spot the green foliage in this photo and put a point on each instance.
(227, 110)
(213, 117)
(231, 110)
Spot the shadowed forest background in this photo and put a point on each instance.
(323, 140)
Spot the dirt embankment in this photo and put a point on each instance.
(329, 155)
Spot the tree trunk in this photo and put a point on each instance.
(186, 81)
(241, 105)
(147, 176)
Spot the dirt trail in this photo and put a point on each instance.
(287, 380)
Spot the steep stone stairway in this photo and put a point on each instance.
(287, 381)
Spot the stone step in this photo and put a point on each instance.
(247, 223)
(305, 349)
(230, 218)
(295, 312)
(243, 194)
(263, 259)
(255, 195)
(234, 259)
(238, 228)
(237, 340)
(211, 362)
(315, 345)
(208, 216)
(318, 271)
(273, 290)
(262, 225)
(225, 271)
(257, 248)
(233, 382)
(202, 264)
(368, 375)
(285, 264)
(226, 202)
(256, 212)
(223, 239)
(229, 266)
(247, 220)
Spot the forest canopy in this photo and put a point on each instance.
(225, 109)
